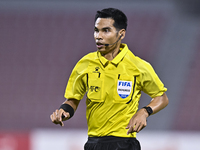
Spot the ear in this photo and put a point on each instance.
(122, 33)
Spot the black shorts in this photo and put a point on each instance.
(112, 143)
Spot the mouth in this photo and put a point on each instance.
(99, 45)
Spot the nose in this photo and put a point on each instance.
(97, 35)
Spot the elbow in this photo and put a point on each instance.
(165, 99)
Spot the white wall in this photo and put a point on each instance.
(150, 140)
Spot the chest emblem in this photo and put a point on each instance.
(124, 88)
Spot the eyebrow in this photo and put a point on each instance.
(103, 28)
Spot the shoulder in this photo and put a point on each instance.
(140, 64)
(85, 61)
(88, 57)
(137, 61)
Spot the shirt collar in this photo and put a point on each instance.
(117, 59)
(102, 59)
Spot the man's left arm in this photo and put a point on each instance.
(139, 120)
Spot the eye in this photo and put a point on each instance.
(106, 30)
(96, 30)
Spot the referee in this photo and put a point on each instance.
(113, 78)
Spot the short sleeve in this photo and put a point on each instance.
(150, 82)
(76, 86)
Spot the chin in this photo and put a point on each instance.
(100, 49)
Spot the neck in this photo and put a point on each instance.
(112, 54)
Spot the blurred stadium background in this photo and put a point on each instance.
(41, 41)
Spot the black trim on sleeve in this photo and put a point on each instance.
(87, 79)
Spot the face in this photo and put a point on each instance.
(105, 33)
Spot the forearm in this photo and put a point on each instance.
(65, 111)
(73, 103)
(69, 106)
(138, 121)
(158, 103)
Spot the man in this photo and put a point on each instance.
(113, 78)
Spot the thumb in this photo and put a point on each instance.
(65, 116)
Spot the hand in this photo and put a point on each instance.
(138, 121)
(59, 116)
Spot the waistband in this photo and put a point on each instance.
(107, 139)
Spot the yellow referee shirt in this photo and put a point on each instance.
(113, 90)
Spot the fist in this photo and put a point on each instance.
(59, 116)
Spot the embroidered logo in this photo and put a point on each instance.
(124, 88)
(94, 88)
(96, 70)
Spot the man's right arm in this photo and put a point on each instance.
(60, 115)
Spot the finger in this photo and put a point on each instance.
(59, 117)
(51, 116)
(61, 123)
(57, 113)
(139, 127)
(135, 128)
(142, 127)
(55, 117)
(130, 130)
(127, 127)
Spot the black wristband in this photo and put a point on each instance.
(149, 110)
(67, 108)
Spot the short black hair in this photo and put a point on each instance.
(117, 15)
